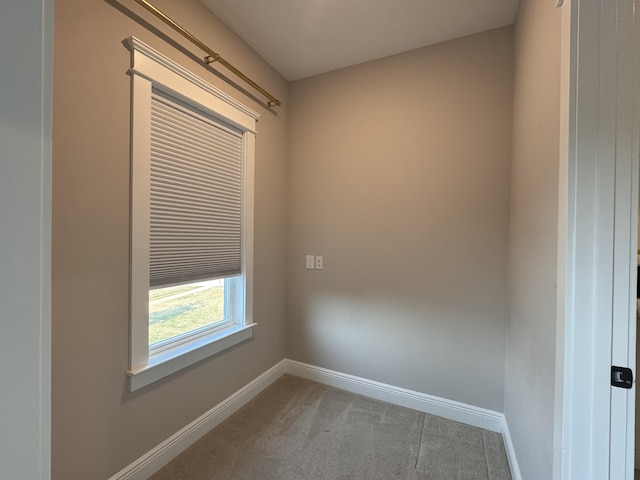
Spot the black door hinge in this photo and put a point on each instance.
(621, 377)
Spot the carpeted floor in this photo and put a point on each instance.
(301, 430)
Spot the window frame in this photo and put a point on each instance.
(152, 70)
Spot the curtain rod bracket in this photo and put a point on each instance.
(212, 56)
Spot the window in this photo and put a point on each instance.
(191, 218)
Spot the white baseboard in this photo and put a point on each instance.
(441, 407)
(511, 452)
(162, 454)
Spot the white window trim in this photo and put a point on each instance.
(150, 69)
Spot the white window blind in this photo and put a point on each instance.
(196, 194)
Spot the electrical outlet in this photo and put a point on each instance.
(310, 262)
(319, 262)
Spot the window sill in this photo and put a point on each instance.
(183, 355)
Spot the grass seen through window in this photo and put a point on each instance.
(174, 311)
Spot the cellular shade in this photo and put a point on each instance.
(196, 194)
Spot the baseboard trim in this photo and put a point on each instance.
(511, 451)
(162, 454)
(441, 407)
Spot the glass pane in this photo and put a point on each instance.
(182, 309)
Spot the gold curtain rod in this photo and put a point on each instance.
(212, 56)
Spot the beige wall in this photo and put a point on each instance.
(530, 359)
(399, 177)
(98, 426)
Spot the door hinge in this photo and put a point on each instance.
(621, 377)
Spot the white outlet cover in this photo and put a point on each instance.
(310, 262)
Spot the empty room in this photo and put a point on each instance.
(347, 227)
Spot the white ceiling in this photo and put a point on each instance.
(300, 38)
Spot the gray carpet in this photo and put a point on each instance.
(301, 430)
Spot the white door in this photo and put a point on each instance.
(26, 53)
(598, 239)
